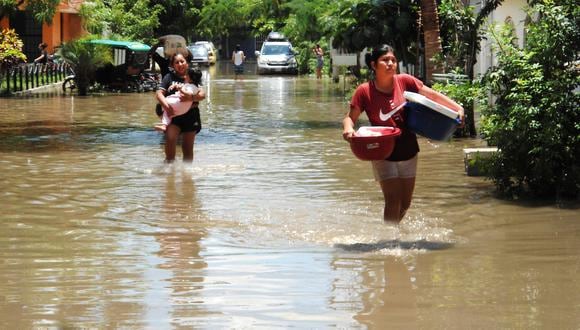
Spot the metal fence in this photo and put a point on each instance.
(27, 76)
(450, 78)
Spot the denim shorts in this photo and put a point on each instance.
(239, 68)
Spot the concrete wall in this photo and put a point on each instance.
(510, 10)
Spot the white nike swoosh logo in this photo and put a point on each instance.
(385, 117)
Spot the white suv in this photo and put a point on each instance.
(276, 56)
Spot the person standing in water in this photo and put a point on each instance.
(238, 58)
(319, 60)
(187, 124)
(396, 174)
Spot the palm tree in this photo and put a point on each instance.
(84, 58)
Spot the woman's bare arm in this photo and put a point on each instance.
(349, 121)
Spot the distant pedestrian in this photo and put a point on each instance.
(319, 60)
(238, 58)
(43, 58)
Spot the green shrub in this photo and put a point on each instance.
(535, 119)
(10, 54)
(304, 56)
(84, 58)
(10, 49)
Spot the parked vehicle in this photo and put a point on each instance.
(126, 72)
(165, 47)
(199, 55)
(212, 51)
(131, 55)
(276, 55)
(129, 60)
(172, 43)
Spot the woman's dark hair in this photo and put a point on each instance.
(238, 48)
(377, 52)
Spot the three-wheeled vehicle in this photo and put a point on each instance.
(130, 59)
(126, 72)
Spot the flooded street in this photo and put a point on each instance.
(274, 225)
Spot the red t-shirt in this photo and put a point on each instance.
(376, 104)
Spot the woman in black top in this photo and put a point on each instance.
(188, 124)
(43, 58)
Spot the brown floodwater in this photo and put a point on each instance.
(274, 225)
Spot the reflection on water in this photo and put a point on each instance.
(274, 224)
(393, 301)
(395, 244)
(178, 231)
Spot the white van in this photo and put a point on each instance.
(276, 55)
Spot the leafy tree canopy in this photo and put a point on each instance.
(219, 17)
(179, 17)
(366, 23)
(535, 120)
(42, 10)
(133, 20)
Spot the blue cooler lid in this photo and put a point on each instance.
(418, 98)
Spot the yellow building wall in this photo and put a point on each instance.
(72, 27)
(51, 33)
(71, 22)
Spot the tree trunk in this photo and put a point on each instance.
(430, 26)
(82, 81)
(472, 55)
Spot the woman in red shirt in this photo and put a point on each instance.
(378, 97)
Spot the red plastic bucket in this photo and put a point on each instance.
(374, 142)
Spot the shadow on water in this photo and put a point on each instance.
(563, 202)
(395, 245)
